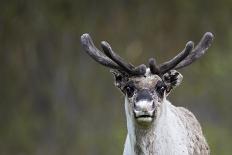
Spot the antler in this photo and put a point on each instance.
(184, 58)
(110, 58)
(198, 51)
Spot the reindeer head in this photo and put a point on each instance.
(145, 88)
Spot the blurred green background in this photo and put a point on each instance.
(55, 100)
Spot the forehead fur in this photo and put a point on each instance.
(147, 81)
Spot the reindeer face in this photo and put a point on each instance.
(144, 94)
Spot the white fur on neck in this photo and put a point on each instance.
(170, 137)
(130, 129)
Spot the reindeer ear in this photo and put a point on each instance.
(117, 77)
(120, 78)
(172, 79)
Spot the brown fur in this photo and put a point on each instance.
(198, 144)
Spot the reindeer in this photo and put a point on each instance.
(155, 126)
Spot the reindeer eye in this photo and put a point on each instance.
(129, 91)
(118, 78)
(160, 88)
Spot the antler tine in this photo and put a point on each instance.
(198, 51)
(129, 68)
(166, 66)
(95, 53)
(116, 58)
(153, 66)
(140, 70)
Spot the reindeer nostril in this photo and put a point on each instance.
(153, 105)
(135, 107)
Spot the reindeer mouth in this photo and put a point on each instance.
(142, 117)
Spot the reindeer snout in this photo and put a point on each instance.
(144, 106)
(144, 111)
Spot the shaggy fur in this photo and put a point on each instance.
(175, 131)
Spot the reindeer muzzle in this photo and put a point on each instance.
(144, 106)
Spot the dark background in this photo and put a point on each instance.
(55, 100)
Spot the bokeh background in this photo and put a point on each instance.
(55, 100)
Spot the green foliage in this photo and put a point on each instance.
(219, 139)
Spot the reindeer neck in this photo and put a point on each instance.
(144, 141)
(166, 137)
(171, 135)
